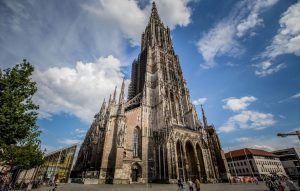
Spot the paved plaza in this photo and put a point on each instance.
(155, 187)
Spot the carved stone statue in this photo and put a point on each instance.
(121, 136)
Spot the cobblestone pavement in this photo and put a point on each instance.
(155, 187)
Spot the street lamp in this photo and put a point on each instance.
(297, 133)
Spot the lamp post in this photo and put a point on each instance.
(297, 133)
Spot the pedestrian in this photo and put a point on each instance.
(180, 184)
(55, 186)
(270, 183)
(190, 183)
(197, 184)
(281, 187)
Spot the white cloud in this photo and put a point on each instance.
(282, 116)
(230, 64)
(216, 42)
(268, 143)
(223, 37)
(237, 104)
(245, 119)
(287, 39)
(132, 24)
(79, 31)
(266, 68)
(79, 90)
(264, 147)
(67, 39)
(174, 12)
(295, 96)
(80, 133)
(200, 101)
(243, 139)
(253, 18)
(248, 120)
(69, 141)
(226, 128)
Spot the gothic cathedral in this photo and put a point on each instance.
(155, 135)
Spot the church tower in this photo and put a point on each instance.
(156, 134)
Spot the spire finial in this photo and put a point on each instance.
(121, 97)
(153, 5)
(204, 117)
(109, 100)
(114, 96)
(103, 106)
(154, 12)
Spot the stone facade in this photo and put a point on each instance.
(155, 135)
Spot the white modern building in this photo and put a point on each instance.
(253, 162)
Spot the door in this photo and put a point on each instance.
(135, 175)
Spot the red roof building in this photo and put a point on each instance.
(248, 151)
(253, 162)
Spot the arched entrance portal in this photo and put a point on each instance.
(192, 171)
(136, 172)
(201, 161)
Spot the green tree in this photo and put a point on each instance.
(19, 134)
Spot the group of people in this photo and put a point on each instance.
(243, 180)
(277, 183)
(190, 183)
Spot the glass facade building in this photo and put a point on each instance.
(57, 167)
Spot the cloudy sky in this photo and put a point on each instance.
(240, 59)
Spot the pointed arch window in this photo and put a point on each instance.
(136, 142)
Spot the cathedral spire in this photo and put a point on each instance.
(154, 13)
(121, 97)
(102, 107)
(109, 100)
(204, 117)
(114, 96)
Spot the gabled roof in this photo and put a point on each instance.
(248, 151)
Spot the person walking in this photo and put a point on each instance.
(270, 183)
(197, 184)
(180, 184)
(190, 183)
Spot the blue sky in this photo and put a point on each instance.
(239, 58)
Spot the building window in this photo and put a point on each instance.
(136, 142)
